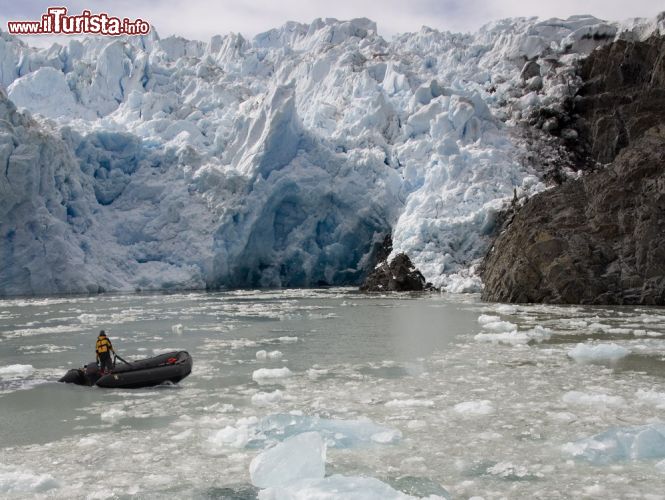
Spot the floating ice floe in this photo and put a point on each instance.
(263, 355)
(586, 399)
(515, 337)
(21, 481)
(16, 371)
(644, 442)
(233, 436)
(651, 397)
(267, 398)
(267, 375)
(495, 324)
(410, 403)
(113, 415)
(336, 432)
(475, 408)
(598, 353)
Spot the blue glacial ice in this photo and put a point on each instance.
(644, 442)
(150, 163)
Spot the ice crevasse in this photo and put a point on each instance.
(149, 163)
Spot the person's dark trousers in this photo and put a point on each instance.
(105, 360)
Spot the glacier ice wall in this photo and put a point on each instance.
(148, 163)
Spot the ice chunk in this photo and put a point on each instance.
(236, 437)
(338, 433)
(598, 352)
(514, 337)
(474, 408)
(16, 371)
(652, 397)
(336, 487)
(410, 403)
(113, 415)
(177, 329)
(21, 481)
(643, 442)
(586, 399)
(262, 355)
(300, 457)
(500, 326)
(267, 375)
(483, 319)
(267, 398)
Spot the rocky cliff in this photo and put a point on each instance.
(598, 239)
(397, 274)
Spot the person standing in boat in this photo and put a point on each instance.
(103, 349)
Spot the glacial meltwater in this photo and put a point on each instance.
(392, 396)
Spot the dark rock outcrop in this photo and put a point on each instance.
(599, 239)
(623, 95)
(398, 275)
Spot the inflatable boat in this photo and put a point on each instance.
(170, 367)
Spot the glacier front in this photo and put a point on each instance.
(148, 163)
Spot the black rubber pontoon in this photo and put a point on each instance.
(170, 367)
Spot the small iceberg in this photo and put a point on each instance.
(644, 442)
(585, 353)
(300, 457)
(295, 469)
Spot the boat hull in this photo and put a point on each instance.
(170, 367)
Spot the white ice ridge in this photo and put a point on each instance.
(278, 161)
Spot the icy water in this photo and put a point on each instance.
(434, 395)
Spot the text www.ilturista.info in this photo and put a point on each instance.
(56, 21)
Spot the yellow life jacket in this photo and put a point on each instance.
(103, 345)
